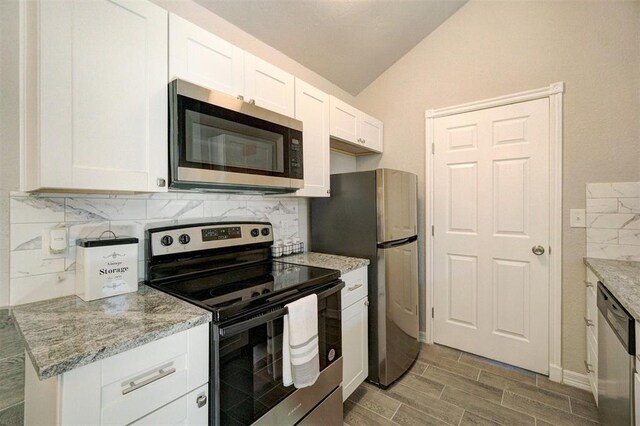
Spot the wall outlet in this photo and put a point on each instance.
(577, 218)
(54, 243)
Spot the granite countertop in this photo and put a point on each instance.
(343, 264)
(66, 333)
(622, 279)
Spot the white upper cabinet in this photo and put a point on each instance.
(344, 121)
(97, 96)
(353, 130)
(312, 108)
(269, 86)
(370, 132)
(204, 59)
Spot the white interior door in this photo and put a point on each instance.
(491, 207)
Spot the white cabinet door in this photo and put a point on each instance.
(344, 121)
(191, 409)
(370, 132)
(102, 96)
(636, 392)
(201, 58)
(312, 108)
(269, 86)
(355, 352)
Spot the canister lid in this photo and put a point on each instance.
(101, 242)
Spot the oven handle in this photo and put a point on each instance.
(249, 324)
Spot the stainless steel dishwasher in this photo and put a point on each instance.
(616, 352)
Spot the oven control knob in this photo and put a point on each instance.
(166, 241)
(184, 239)
(265, 231)
(255, 232)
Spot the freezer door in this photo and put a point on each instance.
(397, 194)
(398, 342)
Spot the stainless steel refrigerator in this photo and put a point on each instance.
(373, 215)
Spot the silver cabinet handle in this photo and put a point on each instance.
(201, 400)
(354, 287)
(161, 182)
(588, 322)
(240, 98)
(252, 101)
(366, 303)
(588, 367)
(537, 250)
(588, 284)
(162, 372)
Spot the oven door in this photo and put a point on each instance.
(222, 141)
(246, 359)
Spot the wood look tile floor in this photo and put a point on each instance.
(449, 387)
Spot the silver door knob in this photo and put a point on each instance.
(537, 250)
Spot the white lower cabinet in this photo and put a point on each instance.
(591, 329)
(191, 409)
(355, 323)
(127, 387)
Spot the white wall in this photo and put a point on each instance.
(9, 131)
(489, 49)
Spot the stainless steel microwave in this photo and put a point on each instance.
(218, 142)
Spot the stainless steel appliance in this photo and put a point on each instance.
(616, 353)
(227, 269)
(223, 143)
(373, 215)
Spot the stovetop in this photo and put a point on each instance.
(237, 290)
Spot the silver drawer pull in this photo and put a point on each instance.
(588, 322)
(354, 287)
(588, 284)
(162, 372)
(588, 367)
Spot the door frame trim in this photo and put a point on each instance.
(554, 92)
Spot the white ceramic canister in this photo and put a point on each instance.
(106, 267)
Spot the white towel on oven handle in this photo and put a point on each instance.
(300, 359)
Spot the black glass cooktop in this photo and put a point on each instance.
(234, 291)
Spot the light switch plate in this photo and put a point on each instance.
(577, 218)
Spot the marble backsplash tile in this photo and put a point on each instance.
(37, 276)
(613, 220)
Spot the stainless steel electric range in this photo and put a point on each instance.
(226, 268)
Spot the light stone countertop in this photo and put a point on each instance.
(343, 264)
(622, 279)
(66, 333)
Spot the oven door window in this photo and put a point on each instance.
(250, 365)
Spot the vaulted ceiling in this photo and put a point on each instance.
(349, 42)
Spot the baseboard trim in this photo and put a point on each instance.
(577, 380)
(422, 336)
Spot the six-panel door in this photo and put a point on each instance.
(491, 208)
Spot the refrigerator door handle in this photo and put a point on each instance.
(396, 243)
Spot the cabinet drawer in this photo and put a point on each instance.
(591, 314)
(136, 382)
(191, 409)
(355, 286)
